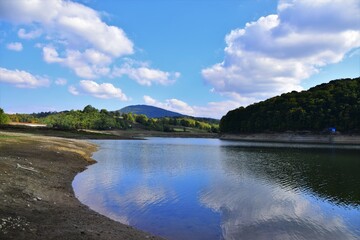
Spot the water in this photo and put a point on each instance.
(213, 189)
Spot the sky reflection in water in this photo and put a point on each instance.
(212, 189)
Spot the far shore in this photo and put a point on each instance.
(138, 134)
(129, 134)
(310, 138)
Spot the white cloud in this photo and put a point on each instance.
(22, 79)
(211, 110)
(144, 75)
(171, 105)
(69, 21)
(87, 64)
(61, 82)
(217, 109)
(73, 90)
(15, 46)
(78, 38)
(275, 53)
(30, 34)
(104, 90)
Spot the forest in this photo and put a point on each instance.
(92, 118)
(333, 105)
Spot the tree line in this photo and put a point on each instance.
(332, 105)
(92, 118)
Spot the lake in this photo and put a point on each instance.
(182, 188)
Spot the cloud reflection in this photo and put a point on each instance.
(250, 209)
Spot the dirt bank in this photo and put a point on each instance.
(36, 196)
(296, 138)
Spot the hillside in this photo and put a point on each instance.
(332, 105)
(149, 111)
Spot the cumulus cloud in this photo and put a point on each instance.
(69, 21)
(88, 64)
(79, 38)
(171, 105)
(103, 90)
(144, 75)
(22, 79)
(15, 46)
(22, 33)
(275, 53)
(212, 109)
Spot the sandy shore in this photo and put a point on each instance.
(295, 138)
(36, 197)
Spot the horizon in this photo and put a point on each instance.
(200, 58)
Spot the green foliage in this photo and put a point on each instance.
(129, 117)
(23, 118)
(89, 118)
(142, 119)
(335, 104)
(4, 119)
(92, 118)
(89, 109)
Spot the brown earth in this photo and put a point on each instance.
(36, 197)
(327, 139)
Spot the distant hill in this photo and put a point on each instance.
(330, 105)
(150, 111)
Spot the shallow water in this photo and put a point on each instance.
(212, 189)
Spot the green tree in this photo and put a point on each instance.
(142, 119)
(4, 119)
(335, 104)
(89, 109)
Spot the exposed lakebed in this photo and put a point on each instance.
(211, 189)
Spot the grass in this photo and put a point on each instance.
(8, 136)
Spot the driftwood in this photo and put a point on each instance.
(27, 168)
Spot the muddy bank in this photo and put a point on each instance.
(295, 138)
(36, 196)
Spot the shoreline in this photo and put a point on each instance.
(308, 138)
(36, 194)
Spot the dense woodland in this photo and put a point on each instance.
(92, 118)
(332, 105)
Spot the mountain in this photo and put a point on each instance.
(330, 105)
(150, 111)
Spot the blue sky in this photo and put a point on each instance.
(196, 57)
